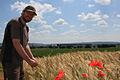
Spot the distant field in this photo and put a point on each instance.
(40, 52)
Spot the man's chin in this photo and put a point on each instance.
(27, 21)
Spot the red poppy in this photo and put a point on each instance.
(84, 75)
(59, 75)
(96, 63)
(57, 78)
(101, 74)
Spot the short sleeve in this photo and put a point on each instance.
(15, 30)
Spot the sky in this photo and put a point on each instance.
(66, 21)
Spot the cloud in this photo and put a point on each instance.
(72, 26)
(91, 5)
(82, 25)
(86, 30)
(41, 8)
(101, 37)
(116, 26)
(58, 12)
(102, 23)
(95, 17)
(103, 2)
(118, 15)
(48, 27)
(70, 32)
(65, 37)
(60, 21)
(67, 0)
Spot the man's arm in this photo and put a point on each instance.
(28, 51)
(22, 53)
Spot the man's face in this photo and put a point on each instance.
(28, 16)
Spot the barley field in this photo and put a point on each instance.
(80, 65)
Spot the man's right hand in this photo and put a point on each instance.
(33, 63)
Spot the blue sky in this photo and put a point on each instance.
(67, 21)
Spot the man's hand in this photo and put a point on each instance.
(33, 62)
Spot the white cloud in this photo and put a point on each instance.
(65, 37)
(48, 27)
(82, 25)
(105, 16)
(104, 2)
(72, 26)
(105, 37)
(67, 0)
(32, 29)
(45, 32)
(102, 23)
(18, 6)
(95, 17)
(70, 32)
(41, 8)
(70, 36)
(60, 21)
(91, 5)
(116, 26)
(83, 31)
(118, 15)
(58, 12)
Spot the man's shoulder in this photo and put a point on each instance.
(14, 22)
(14, 19)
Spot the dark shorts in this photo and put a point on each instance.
(13, 72)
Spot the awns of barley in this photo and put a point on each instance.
(75, 66)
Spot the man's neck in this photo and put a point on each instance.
(22, 20)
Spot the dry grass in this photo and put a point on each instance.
(74, 64)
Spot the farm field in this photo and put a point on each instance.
(74, 64)
(81, 65)
(40, 52)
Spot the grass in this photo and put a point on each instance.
(40, 52)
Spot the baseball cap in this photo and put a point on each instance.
(30, 9)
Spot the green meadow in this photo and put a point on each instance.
(41, 52)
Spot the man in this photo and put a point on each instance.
(15, 46)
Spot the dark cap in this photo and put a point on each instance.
(30, 9)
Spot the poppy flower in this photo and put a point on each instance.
(84, 75)
(101, 74)
(59, 75)
(96, 63)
